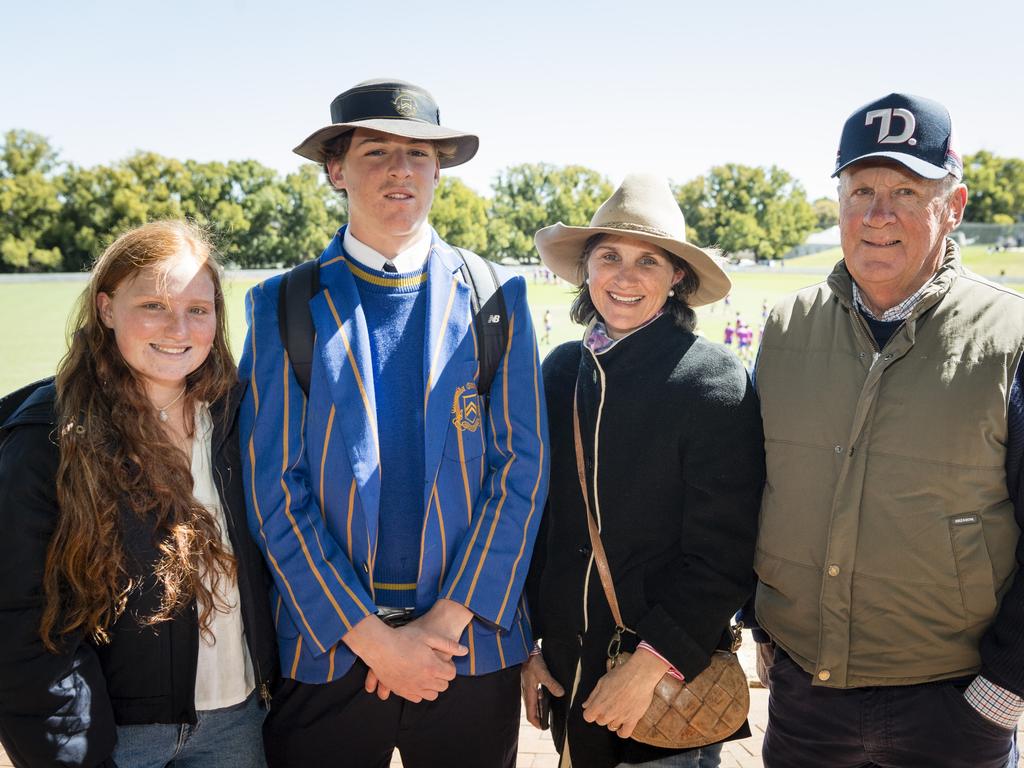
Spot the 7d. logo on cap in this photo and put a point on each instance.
(884, 130)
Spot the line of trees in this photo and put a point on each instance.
(57, 216)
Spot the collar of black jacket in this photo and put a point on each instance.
(33, 404)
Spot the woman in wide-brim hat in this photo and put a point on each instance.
(673, 461)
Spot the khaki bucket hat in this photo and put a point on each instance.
(389, 106)
(642, 207)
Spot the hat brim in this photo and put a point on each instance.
(561, 246)
(466, 144)
(917, 165)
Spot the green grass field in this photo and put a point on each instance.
(975, 257)
(34, 315)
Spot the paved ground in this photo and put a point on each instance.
(537, 751)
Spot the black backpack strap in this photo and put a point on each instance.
(490, 318)
(295, 323)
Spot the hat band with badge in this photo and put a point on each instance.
(915, 132)
(409, 103)
(393, 107)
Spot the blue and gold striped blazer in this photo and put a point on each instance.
(313, 475)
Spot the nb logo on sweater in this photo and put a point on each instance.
(466, 408)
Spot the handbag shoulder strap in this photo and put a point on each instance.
(600, 558)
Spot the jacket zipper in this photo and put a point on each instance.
(590, 566)
(264, 689)
(579, 662)
(261, 681)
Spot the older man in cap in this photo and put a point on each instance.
(889, 553)
(395, 501)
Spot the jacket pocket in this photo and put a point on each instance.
(973, 568)
(787, 602)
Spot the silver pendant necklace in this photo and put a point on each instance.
(162, 412)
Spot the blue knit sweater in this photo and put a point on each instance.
(395, 307)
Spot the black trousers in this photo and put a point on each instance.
(930, 725)
(474, 724)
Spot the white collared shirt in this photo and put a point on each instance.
(224, 671)
(408, 260)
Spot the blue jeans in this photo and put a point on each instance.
(221, 738)
(705, 757)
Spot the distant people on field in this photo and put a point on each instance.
(745, 340)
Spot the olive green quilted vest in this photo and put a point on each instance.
(887, 535)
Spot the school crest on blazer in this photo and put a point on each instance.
(466, 408)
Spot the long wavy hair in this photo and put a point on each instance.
(116, 460)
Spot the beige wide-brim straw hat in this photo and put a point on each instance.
(642, 207)
(389, 106)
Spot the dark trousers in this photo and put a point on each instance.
(909, 726)
(474, 724)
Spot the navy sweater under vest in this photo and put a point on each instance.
(395, 306)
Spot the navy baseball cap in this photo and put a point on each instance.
(915, 132)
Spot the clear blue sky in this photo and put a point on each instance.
(674, 87)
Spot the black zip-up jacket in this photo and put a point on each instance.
(63, 709)
(672, 438)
